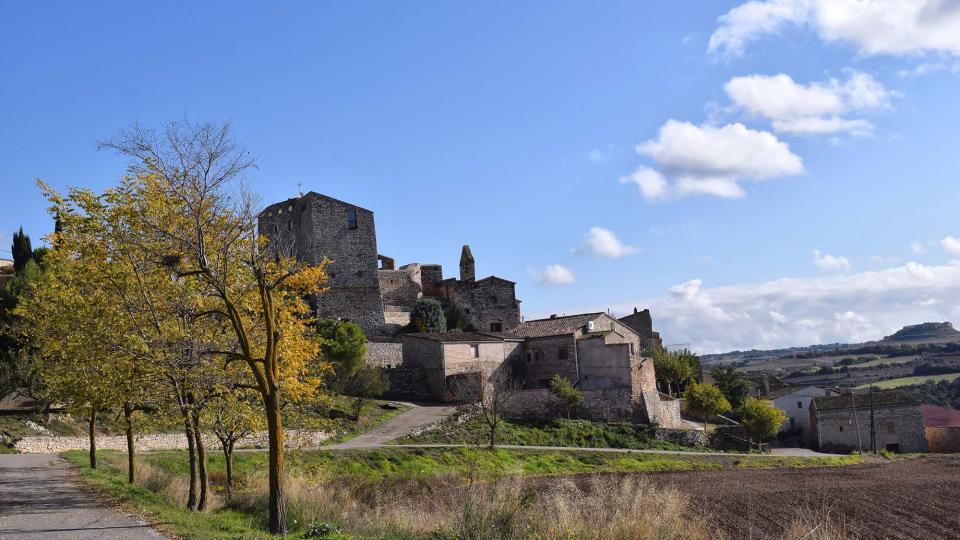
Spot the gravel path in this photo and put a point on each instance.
(40, 500)
(417, 417)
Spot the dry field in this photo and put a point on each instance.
(905, 499)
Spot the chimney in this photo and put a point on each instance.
(468, 270)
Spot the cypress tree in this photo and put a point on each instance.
(21, 249)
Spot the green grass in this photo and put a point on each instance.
(884, 360)
(221, 524)
(338, 418)
(380, 469)
(557, 432)
(909, 381)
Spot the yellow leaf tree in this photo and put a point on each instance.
(206, 225)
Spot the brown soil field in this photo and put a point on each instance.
(904, 499)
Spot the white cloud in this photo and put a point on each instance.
(878, 27)
(554, 274)
(710, 160)
(802, 311)
(830, 263)
(917, 248)
(883, 260)
(652, 184)
(599, 155)
(951, 244)
(604, 243)
(813, 108)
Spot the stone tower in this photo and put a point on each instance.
(313, 227)
(468, 268)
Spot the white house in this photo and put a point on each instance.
(795, 402)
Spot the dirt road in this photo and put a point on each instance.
(39, 500)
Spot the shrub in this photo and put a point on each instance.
(429, 312)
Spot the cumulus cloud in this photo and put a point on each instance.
(802, 311)
(710, 160)
(604, 243)
(951, 244)
(813, 108)
(554, 274)
(830, 263)
(877, 27)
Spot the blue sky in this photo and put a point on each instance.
(759, 174)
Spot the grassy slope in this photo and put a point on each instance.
(391, 466)
(908, 381)
(560, 432)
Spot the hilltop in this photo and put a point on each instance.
(928, 332)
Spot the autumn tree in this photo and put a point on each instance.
(233, 416)
(562, 388)
(205, 225)
(760, 419)
(705, 399)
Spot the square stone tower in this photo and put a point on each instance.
(316, 226)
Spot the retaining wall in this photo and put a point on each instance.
(161, 441)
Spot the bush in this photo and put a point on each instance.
(427, 316)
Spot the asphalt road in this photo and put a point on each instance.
(39, 500)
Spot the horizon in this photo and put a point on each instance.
(759, 182)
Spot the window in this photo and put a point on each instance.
(290, 225)
(529, 357)
(562, 353)
(631, 349)
(891, 428)
(799, 404)
(496, 327)
(351, 219)
(493, 299)
(467, 311)
(276, 228)
(841, 429)
(475, 351)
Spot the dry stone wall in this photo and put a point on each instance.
(161, 441)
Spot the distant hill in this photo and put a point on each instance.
(928, 332)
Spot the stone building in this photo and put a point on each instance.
(313, 227)
(365, 286)
(642, 323)
(597, 353)
(844, 423)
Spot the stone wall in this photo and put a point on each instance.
(943, 440)
(836, 430)
(597, 405)
(161, 441)
(408, 384)
(384, 354)
(314, 227)
(547, 356)
(400, 288)
(686, 437)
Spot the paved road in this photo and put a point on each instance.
(417, 417)
(38, 500)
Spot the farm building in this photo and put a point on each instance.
(889, 419)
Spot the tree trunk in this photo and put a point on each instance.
(93, 438)
(228, 460)
(276, 505)
(192, 453)
(493, 436)
(128, 419)
(201, 453)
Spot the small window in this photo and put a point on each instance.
(841, 429)
(799, 404)
(496, 327)
(467, 311)
(290, 225)
(475, 351)
(276, 228)
(351, 219)
(529, 358)
(493, 299)
(631, 349)
(891, 428)
(562, 353)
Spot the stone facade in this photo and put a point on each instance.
(161, 441)
(315, 227)
(897, 420)
(642, 323)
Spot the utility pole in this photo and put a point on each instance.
(873, 433)
(856, 421)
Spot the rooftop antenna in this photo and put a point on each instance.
(300, 188)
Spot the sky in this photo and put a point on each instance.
(759, 174)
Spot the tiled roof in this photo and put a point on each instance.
(556, 326)
(883, 398)
(455, 337)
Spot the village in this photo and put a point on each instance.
(479, 271)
